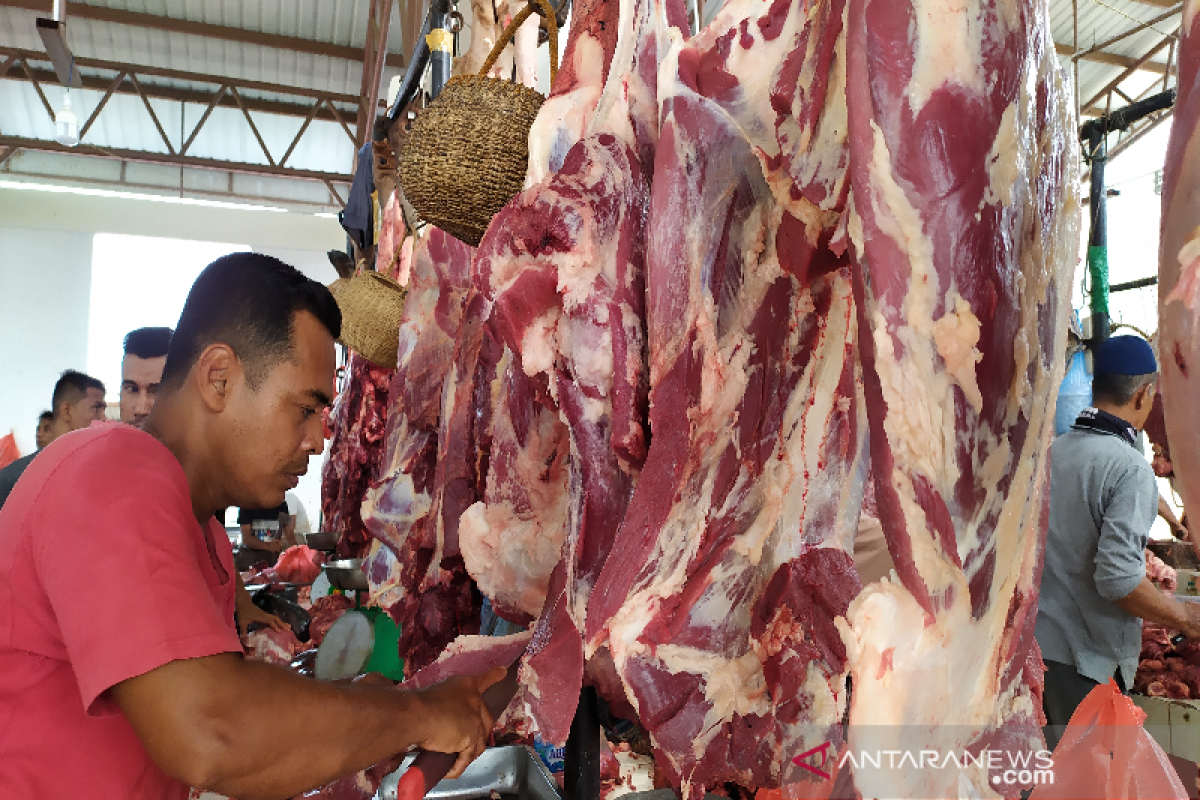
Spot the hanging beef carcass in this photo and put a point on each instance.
(358, 420)
(1179, 272)
(718, 599)
(965, 212)
(564, 271)
(416, 506)
(400, 507)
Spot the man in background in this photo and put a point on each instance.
(300, 523)
(77, 402)
(141, 372)
(1103, 500)
(45, 424)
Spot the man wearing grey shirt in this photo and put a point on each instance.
(1103, 500)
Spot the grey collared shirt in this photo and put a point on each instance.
(1103, 500)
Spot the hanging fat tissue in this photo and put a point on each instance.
(814, 244)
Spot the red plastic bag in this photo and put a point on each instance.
(299, 564)
(8, 450)
(1106, 753)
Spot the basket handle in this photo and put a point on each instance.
(511, 30)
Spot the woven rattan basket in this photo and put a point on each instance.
(371, 306)
(467, 153)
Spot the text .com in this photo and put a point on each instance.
(1010, 768)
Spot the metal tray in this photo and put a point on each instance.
(515, 773)
(346, 574)
(324, 541)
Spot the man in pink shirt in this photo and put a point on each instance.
(121, 673)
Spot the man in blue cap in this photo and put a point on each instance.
(1103, 500)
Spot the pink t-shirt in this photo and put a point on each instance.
(104, 575)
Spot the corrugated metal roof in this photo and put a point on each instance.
(203, 55)
(1101, 21)
(325, 147)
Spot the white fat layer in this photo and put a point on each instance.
(949, 36)
(1189, 253)
(1005, 162)
(956, 335)
(563, 118)
(539, 345)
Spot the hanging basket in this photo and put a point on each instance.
(371, 306)
(467, 153)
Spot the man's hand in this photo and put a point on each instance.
(457, 721)
(246, 612)
(1192, 629)
(253, 613)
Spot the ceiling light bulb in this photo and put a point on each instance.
(66, 124)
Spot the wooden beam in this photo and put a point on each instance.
(385, 19)
(136, 19)
(1113, 59)
(112, 87)
(189, 77)
(176, 160)
(1150, 23)
(1107, 90)
(200, 96)
(216, 99)
(253, 128)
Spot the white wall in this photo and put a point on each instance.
(46, 243)
(45, 285)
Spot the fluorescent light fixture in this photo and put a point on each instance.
(159, 198)
(325, 215)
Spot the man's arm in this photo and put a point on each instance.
(1164, 511)
(1152, 605)
(245, 729)
(287, 527)
(249, 540)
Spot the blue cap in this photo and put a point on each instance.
(1124, 355)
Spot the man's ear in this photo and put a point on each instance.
(1145, 396)
(213, 372)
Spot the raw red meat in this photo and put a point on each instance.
(272, 646)
(963, 162)
(1160, 574)
(1179, 271)
(404, 508)
(324, 612)
(417, 506)
(358, 420)
(718, 599)
(512, 539)
(768, 288)
(299, 564)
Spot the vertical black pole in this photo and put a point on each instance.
(441, 46)
(581, 760)
(1097, 255)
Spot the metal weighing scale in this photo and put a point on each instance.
(364, 639)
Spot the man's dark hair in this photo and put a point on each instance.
(247, 301)
(148, 342)
(45, 416)
(1117, 389)
(72, 387)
